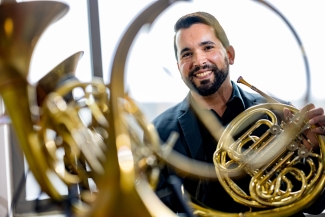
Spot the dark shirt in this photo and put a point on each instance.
(234, 107)
(211, 193)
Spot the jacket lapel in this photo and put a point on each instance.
(190, 128)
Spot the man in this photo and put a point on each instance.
(203, 55)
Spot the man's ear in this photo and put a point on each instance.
(231, 54)
(178, 66)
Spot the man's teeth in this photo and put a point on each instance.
(203, 74)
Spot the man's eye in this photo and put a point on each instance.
(186, 55)
(208, 47)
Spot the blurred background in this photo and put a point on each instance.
(267, 53)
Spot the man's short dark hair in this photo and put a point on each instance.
(188, 20)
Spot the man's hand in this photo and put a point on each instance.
(316, 117)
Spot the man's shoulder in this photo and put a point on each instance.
(169, 114)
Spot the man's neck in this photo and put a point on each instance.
(217, 101)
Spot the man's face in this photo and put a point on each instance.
(202, 59)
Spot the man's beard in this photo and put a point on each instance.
(206, 87)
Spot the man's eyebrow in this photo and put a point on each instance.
(206, 42)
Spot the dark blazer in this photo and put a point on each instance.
(181, 119)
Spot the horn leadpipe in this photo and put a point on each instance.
(269, 98)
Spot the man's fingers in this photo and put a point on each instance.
(287, 114)
(315, 115)
(318, 130)
(307, 108)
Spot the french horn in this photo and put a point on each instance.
(17, 42)
(278, 186)
(102, 147)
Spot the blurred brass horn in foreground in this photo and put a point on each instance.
(64, 132)
(97, 147)
(21, 25)
(271, 152)
(124, 190)
(124, 168)
(57, 76)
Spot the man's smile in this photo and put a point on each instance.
(203, 74)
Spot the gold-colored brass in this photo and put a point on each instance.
(63, 71)
(72, 142)
(269, 99)
(103, 148)
(123, 185)
(77, 127)
(21, 25)
(270, 159)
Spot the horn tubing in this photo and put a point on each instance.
(269, 98)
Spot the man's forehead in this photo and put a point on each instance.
(196, 27)
(185, 37)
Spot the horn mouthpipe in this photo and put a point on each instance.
(269, 98)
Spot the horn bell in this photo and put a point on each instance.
(59, 74)
(21, 25)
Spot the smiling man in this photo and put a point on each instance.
(203, 63)
(203, 55)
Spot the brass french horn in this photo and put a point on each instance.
(63, 131)
(53, 127)
(60, 74)
(271, 160)
(101, 147)
(21, 25)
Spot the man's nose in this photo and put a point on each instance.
(199, 60)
